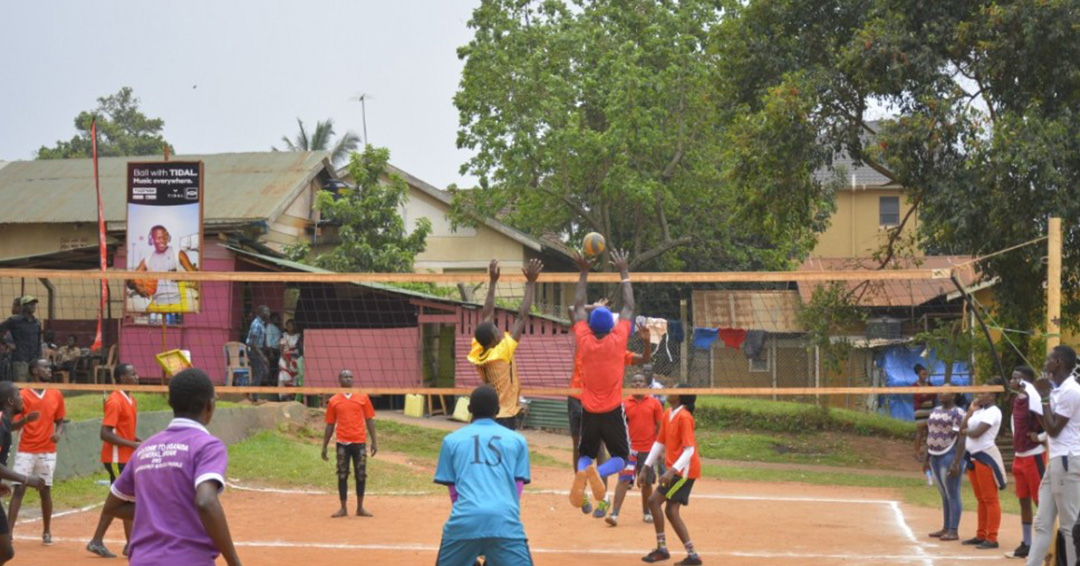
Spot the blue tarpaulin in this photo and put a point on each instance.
(898, 362)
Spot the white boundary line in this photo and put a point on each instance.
(62, 514)
(903, 558)
(901, 523)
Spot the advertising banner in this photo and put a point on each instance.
(164, 233)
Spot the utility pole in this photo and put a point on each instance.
(1053, 285)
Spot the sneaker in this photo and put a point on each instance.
(602, 507)
(46, 539)
(986, 545)
(656, 555)
(973, 541)
(949, 536)
(937, 534)
(586, 507)
(690, 560)
(99, 549)
(1021, 551)
(612, 520)
(647, 518)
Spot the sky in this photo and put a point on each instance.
(229, 76)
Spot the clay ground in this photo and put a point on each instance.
(751, 524)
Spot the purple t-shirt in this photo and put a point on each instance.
(161, 479)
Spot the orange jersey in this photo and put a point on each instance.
(349, 413)
(575, 378)
(642, 418)
(677, 433)
(37, 436)
(121, 413)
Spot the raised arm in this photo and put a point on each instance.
(621, 260)
(584, 265)
(532, 271)
(488, 314)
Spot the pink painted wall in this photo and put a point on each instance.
(384, 357)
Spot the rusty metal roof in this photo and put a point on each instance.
(771, 311)
(897, 293)
(239, 186)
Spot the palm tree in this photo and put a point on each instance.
(320, 140)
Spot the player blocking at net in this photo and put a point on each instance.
(485, 466)
(352, 416)
(601, 347)
(493, 354)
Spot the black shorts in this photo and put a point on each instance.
(113, 472)
(3, 522)
(679, 491)
(355, 454)
(573, 410)
(608, 429)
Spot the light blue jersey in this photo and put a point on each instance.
(483, 461)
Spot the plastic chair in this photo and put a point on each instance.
(106, 368)
(236, 365)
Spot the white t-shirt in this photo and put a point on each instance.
(990, 415)
(168, 292)
(1065, 402)
(1034, 399)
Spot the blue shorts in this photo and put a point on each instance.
(497, 552)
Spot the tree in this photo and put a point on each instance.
(122, 130)
(320, 140)
(983, 98)
(604, 116)
(371, 231)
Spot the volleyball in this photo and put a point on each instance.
(593, 244)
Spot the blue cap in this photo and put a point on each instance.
(601, 320)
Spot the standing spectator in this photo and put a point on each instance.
(924, 403)
(118, 443)
(257, 351)
(7, 344)
(943, 429)
(289, 362)
(1029, 465)
(1059, 492)
(986, 469)
(42, 424)
(273, 348)
(25, 331)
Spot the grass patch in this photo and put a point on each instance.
(70, 494)
(819, 449)
(913, 491)
(271, 458)
(543, 460)
(787, 416)
(424, 443)
(92, 406)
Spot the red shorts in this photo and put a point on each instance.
(1028, 473)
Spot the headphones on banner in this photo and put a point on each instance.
(150, 235)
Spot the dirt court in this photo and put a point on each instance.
(751, 524)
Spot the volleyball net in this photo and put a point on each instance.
(833, 330)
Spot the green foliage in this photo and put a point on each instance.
(950, 344)
(832, 308)
(321, 139)
(122, 130)
(982, 98)
(604, 115)
(372, 232)
(727, 413)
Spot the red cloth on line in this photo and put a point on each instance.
(732, 337)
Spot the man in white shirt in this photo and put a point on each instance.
(1059, 492)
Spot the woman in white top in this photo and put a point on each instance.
(986, 470)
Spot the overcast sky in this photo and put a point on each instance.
(234, 75)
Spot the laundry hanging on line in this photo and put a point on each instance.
(732, 337)
(704, 338)
(755, 341)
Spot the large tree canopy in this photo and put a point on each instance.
(985, 105)
(122, 130)
(606, 116)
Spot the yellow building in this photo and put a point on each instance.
(868, 206)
